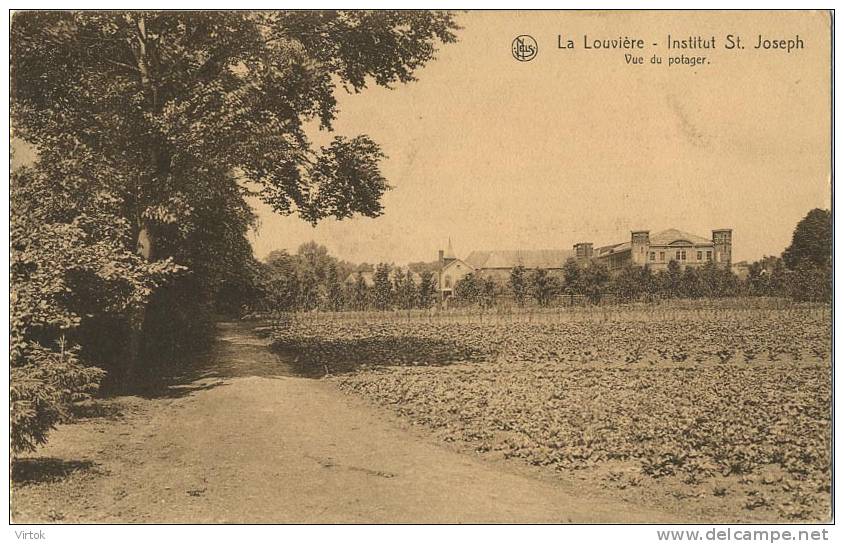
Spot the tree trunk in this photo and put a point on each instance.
(136, 318)
(143, 239)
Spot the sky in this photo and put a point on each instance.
(576, 145)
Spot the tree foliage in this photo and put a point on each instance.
(632, 283)
(571, 276)
(543, 286)
(181, 115)
(594, 280)
(382, 290)
(427, 289)
(360, 293)
(518, 284)
(152, 129)
(809, 258)
(178, 101)
(406, 291)
(811, 242)
(68, 266)
(469, 288)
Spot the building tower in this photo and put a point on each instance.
(640, 241)
(444, 257)
(449, 254)
(722, 239)
(583, 251)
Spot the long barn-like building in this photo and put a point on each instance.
(496, 264)
(643, 249)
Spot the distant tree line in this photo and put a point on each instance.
(312, 279)
(803, 273)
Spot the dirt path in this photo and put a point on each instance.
(245, 441)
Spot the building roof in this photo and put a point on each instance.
(662, 238)
(369, 277)
(667, 237)
(415, 275)
(614, 248)
(456, 263)
(528, 258)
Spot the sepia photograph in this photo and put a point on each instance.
(421, 267)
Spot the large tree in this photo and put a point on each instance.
(193, 111)
(179, 102)
(811, 242)
(167, 122)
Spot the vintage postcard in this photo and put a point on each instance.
(427, 267)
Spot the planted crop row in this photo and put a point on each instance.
(706, 402)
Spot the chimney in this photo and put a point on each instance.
(441, 259)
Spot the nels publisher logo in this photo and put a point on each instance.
(524, 48)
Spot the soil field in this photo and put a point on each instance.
(718, 416)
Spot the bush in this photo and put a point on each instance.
(810, 283)
(41, 391)
(69, 267)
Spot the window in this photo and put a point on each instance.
(700, 255)
(661, 255)
(708, 255)
(653, 255)
(448, 282)
(677, 256)
(682, 255)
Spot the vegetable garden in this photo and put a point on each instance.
(727, 405)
